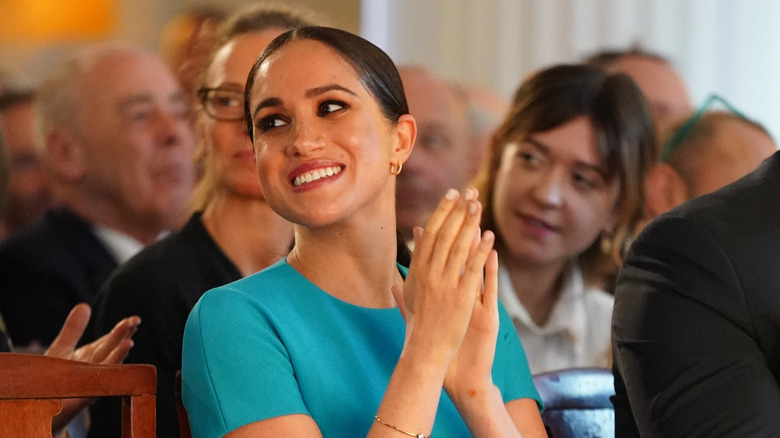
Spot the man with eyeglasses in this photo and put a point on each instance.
(117, 143)
(702, 153)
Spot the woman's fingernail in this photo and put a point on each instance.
(451, 194)
(473, 207)
(469, 195)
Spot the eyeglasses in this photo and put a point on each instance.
(222, 104)
(686, 127)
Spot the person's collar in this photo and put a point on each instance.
(564, 317)
(119, 244)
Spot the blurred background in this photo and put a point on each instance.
(727, 47)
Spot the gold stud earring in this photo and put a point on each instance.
(395, 169)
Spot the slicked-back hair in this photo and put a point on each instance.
(376, 70)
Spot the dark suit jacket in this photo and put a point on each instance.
(696, 325)
(47, 270)
(161, 284)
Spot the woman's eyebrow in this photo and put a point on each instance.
(271, 101)
(325, 88)
(543, 148)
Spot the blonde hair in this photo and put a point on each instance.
(253, 19)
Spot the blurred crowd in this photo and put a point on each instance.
(129, 181)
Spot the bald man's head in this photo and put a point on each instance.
(660, 83)
(441, 158)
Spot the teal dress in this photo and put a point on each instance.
(275, 344)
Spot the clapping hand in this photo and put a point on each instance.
(443, 300)
(111, 348)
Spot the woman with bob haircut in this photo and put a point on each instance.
(337, 339)
(562, 189)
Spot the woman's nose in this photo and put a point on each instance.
(306, 139)
(549, 188)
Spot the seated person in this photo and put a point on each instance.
(702, 153)
(117, 141)
(337, 338)
(231, 234)
(695, 329)
(29, 195)
(655, 75)
(562, 193)
(445, 154)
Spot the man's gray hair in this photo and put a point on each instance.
(61, 94)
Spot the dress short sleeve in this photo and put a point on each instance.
(226, 337)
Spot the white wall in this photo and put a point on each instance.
(731, 47)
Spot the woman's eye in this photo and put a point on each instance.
(139, 116)
(584, 181)
(330, 106)
(270, 122)
(528, 158)
(227, 102)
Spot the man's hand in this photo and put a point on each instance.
(111, 348)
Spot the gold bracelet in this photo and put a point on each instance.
(416, 435)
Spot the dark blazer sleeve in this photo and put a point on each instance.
(148, 293)
(684, 341)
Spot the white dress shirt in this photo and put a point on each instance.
(577, 334)
(120, 245)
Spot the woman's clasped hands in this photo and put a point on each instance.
(450, 306)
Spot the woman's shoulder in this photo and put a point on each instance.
(274, 286)
(280, 274)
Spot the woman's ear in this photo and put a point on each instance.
(406, 133)
(665, 189)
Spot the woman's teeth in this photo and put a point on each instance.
(314, 175)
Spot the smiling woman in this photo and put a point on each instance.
(562, 189)
(348, 341)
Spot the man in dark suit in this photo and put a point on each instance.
(696, 325)
(116, 138)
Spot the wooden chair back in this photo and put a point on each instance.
(32, 386)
